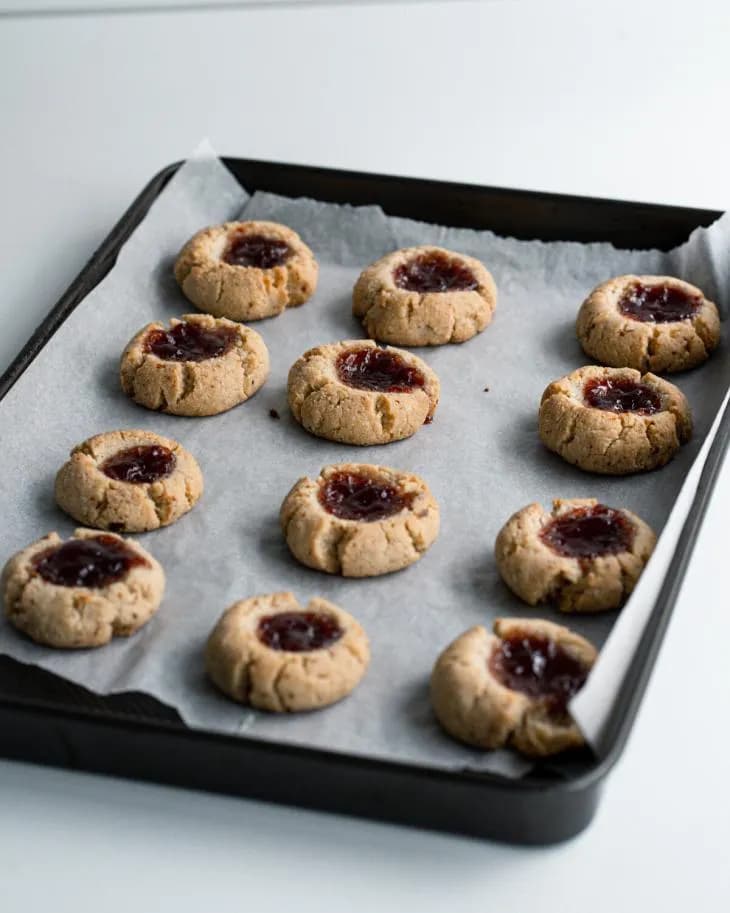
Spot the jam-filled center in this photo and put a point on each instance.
(621, 395)
(377, 369)
(190, 342)
(296, 632)
(93, 562)
(146, 463)
(355, 496)
(257, 251)
(434, 272)
(589, 531)
(538, 667)
(658, 303)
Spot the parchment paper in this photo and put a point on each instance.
(481, 457)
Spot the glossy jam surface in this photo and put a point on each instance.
(621, 396)
(148, 463)
(296, 632)
(257, 251)
(379, 370)
(190, 342)
(587, 532)
(658, 303)
(434, 272)
(351, 496)
(538, 667)
(92, 563)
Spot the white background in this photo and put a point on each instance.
(622, 99)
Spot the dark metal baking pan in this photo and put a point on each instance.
(45, 719)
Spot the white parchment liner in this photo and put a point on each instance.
(481, 457)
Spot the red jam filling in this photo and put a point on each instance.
(434, 272)
(587, 532)
(658, 303)
(538, 667)
(351, 496)
(257, 251)
(377, 369)
(296, 632)
(621, 396)
(190, 342)
(148, 463)
(92, 563)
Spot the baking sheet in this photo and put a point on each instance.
(481, 458)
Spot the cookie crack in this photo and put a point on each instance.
(339, 544)
(276, 684)
(102, 504)
(384, 414)
(189, 379)
(350, 648)
(571, 430)
(419, 546)
(159, 503)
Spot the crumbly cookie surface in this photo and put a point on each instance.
(473, 706)
(400, 316)
(537, 573)
(78, 616)
(612, 443)
(620, 341)
(353, 547)
(195, 388)
(91, 497)
(245, 292)
(249, 671)
(330, 408)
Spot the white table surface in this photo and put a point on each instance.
(623, 99)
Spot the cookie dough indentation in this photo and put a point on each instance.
(538, 667)
(92, 563)
(142, 464)
(659, 303)
(361, 496)
(187, 341)
(257, 251)
(434, 271)
(587, 532)
(621, 395)
(295, 632)
(378, 369)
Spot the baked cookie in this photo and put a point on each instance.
(246, 270)
(271, 653)
(424, 296)
(584, 556)
(614, 421)
(356, 392)
(651, 323)
(128, 481)
(359, 520)
(200, 366)
(81, 592)
(511, 688)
